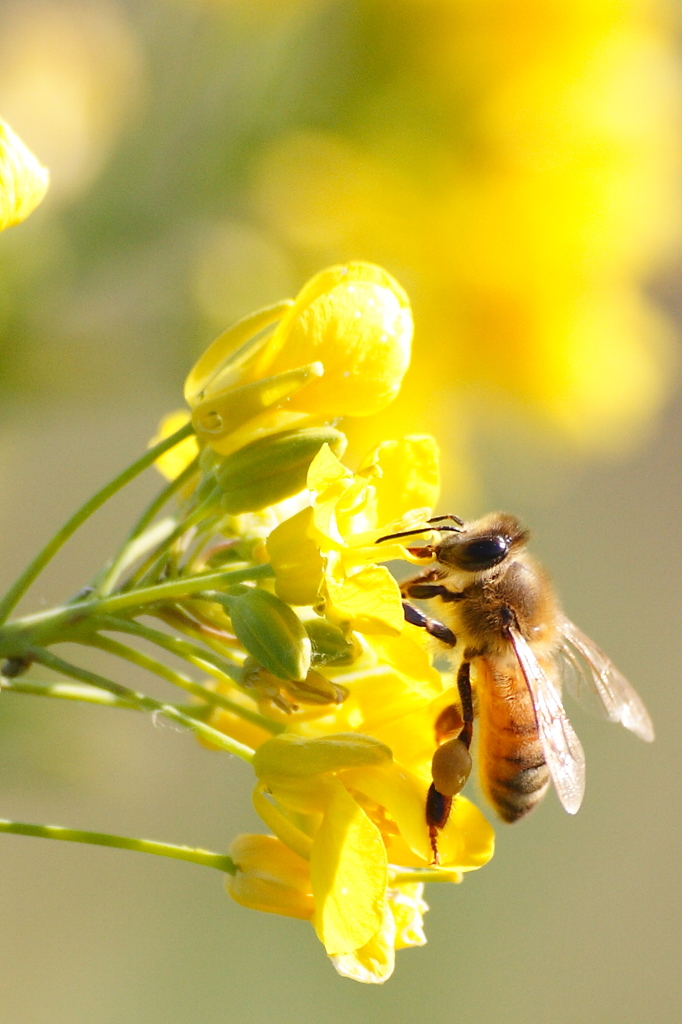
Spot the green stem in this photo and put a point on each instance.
(119, 562)
(119, 650)
(57, 618)
(68, 691)
(86, 694)
(213, 736)
(220, 861)
(207, 661)
(181, 587)
(150, 568)
(24, 581)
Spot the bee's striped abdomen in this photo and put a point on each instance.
(512, 766)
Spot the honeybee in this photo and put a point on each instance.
(504, 622)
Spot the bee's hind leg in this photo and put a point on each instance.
(438, 805)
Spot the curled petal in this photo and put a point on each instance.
(296, 559)
(222, 366)
(373, 963)
(408, 907)
(325, 470)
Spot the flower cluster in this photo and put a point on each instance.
(267, 578)
(333, 692)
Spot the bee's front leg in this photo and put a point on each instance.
(432, 626)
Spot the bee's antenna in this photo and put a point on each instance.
(426, 529)
(439, 519)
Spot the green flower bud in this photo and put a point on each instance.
(330, 646)
(272, 468)
(298, 757)
(270, 631)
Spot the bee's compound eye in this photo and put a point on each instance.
(483, 553)
(451, 767)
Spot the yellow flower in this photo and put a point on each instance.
(341, 349)
(326, 554)
(23, 181)
(342, 805)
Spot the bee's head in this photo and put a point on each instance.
(482, 544)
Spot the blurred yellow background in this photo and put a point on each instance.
(516, 166)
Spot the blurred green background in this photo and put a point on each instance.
(515, 164)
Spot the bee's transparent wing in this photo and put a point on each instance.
(584, 667)
(560, 745)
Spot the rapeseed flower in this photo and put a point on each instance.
(340, 349)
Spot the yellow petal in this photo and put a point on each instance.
(23, 180)
(407, 654)
(283, 828)
(403, 795)
(373, 963)
(356, 320)
(325, 470)
(348, 870)
(295, 559)
(294, 756)
(173, 462)
(406, 475)
(368, 601)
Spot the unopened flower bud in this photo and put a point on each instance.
(272, 468)
(270, 631)
(270, 877)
